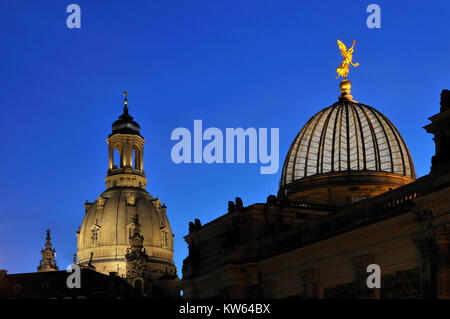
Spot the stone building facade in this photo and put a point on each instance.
(348, 198)
(52, 285)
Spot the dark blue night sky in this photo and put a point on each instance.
(262, 64)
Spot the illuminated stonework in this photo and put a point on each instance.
(108, 222)
(126, 180)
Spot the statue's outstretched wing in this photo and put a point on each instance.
(343, 48)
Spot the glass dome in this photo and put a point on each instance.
(347, 136)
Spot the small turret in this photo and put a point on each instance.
(48, 262)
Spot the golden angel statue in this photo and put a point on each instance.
(342, 70)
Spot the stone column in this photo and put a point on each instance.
(137, 158)
(310, 280)
(442, 240)
(127, 154)
(121, 150)
(268, 289)
(111, 157)
(232, 281)
(425, 246)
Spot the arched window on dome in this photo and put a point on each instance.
(164, 237)
(95, 235)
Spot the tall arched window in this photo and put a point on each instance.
(164, 238)
(136, 158)
(94, 236)
(116, 158)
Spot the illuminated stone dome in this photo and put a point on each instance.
(103, 239)
(108, 224)
(349, 141)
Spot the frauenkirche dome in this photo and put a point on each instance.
(109, 223)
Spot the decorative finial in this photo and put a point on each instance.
(342, 70)
(345, 87)
(125, 101)
(48, 262)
